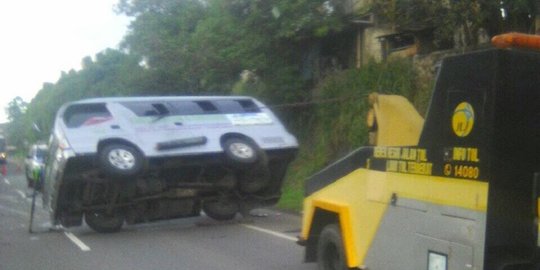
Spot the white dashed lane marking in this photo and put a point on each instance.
(77, 241)
(20, 192)
(270, 232)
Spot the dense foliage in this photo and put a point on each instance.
(203, 46)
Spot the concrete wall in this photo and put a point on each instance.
(372, 49)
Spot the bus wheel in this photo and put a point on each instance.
(103, 222)
(330, 253)
(119, 160)
(240, 152)
(221, 209)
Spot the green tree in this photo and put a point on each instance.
(203, 46)
(16, 128)
(160, 34)
(16, 108)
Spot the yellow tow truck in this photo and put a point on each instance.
(458, 190)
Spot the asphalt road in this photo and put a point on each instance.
(265, 241)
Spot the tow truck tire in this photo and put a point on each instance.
(120, 160)
(221, 210)
(330, 252)
(102, 222)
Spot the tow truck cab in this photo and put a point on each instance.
(461, 193)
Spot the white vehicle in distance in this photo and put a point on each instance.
(138, 159)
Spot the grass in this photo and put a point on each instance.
(291, 199)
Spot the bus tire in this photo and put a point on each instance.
(221, 209)
(103, 222)
(240, 152)
(120, 160)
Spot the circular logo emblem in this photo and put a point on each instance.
(463, 119)
(447, 169)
